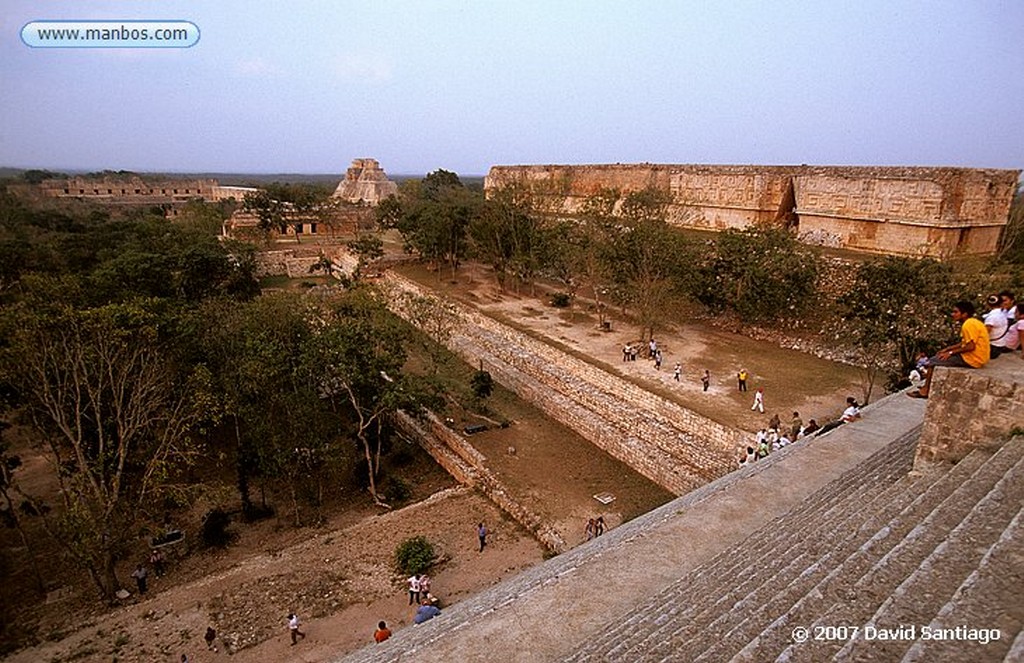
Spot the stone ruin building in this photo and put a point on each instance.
(917, 211)
(133, 190)
(365, 182)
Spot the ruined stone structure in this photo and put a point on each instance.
(917, 211)
(365, 182)
(671, 445)
(133, 189)
(968, 409)
(337, 224)
(830, 549)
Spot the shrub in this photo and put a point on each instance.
(215, 532)
(415, 555)
(561, 300)
(482, 384)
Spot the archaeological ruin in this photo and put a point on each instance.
(915, 211)
(365, 182)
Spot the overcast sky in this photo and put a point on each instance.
(305, 87)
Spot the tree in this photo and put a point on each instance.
(762, 273)
(433, 218)
(361, 345)
(116, 416)
(645, 258)
(507, 234)
(896, 308)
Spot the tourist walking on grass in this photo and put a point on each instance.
(758, 400)
(481, 533)
(293, 627)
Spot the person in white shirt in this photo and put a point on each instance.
(1009, 304)
(852, 411)
(996, 323)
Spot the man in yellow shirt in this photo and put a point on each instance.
(971, 352)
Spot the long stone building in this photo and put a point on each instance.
(919, 211)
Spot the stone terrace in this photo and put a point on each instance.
(839, 534)
(677, 448)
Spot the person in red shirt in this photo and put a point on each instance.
(382, 633)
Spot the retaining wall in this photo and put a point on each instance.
(669, 444)
(968, 408)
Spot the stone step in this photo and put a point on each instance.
(996, 581)
(874, 527)
(660, 617)
(1016, 653)
(934, 581)
(871, 575)
(807, 585)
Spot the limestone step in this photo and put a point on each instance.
(995, 581)
(854, 592)
(933, 583)
(673, 633)
(733, 574)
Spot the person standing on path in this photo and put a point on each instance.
(481, 533)
(705, 379)
(140, 574)
(414, 589)
(741, 378)
(599, 526)
(677, 372)
(758, 400)
(293, 628)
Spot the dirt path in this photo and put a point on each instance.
(340, 582)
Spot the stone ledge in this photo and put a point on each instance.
(972, 408)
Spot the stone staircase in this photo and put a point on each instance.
(934, 550)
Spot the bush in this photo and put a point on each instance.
(561, 300)
(414, 555)
(482, 384)
(215, 532)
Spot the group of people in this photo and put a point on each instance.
(594, 528)
(630, 353)
(980, 340)
(775, 437)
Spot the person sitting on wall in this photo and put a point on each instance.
(998, 326)
(852, 411)
(971, 352)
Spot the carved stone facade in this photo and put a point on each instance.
(920, 211)
(365, 182)
(133, 189)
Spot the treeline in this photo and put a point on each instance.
(141, 353)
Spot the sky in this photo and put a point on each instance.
(307, 86)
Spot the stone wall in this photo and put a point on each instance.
(938, 212)
(972, 407)
(469, 466)
(669, 444)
